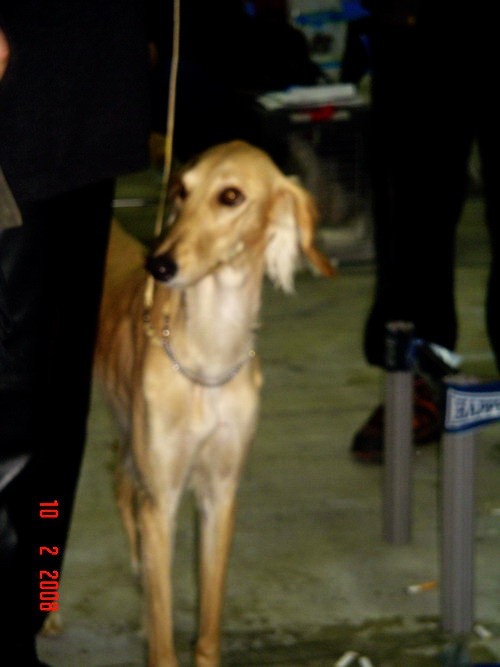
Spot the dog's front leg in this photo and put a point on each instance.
(216, 484)
(217, 512)
(157, 523)
(125, 493)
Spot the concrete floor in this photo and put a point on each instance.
(310, 574)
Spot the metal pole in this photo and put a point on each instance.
(398, 435)
(458, 531)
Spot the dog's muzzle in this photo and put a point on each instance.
(161, 267)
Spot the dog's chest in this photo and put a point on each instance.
(204, 427)
(185, 407)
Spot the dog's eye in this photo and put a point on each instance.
(182, 192)
(231, 197)
(178, 190)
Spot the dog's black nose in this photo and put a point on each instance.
(161, 267)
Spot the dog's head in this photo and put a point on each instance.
(230, 203)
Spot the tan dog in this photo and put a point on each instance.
(183, 379)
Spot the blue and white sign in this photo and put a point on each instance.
(470, 406)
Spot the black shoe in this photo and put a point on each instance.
(368, 443)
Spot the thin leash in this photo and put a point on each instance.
(168, 146)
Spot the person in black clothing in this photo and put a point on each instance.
(74, 115)
(228, 56)
(433, 95)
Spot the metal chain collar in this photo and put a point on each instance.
(188, 373)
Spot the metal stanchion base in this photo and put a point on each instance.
(457, 552)
(397, 487)
(398, 434)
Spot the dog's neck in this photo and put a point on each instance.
(212, 327)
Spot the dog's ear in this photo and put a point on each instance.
(307, 218)
(293, 218)
(283, 240)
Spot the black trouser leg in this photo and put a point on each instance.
(489, 148)
(419, 155)
(51, 276)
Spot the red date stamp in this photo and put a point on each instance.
(48, 592)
